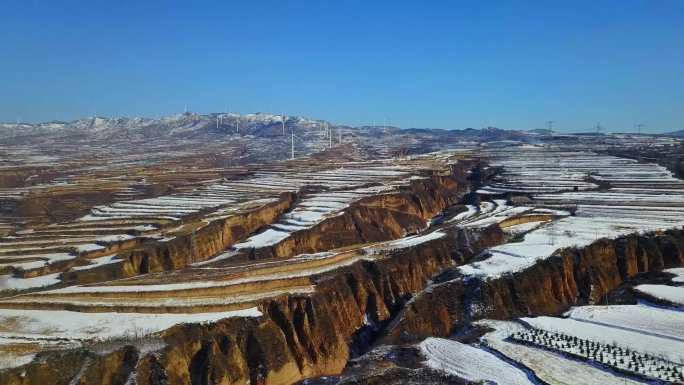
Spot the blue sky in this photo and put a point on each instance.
(445, 64)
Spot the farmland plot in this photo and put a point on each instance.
(39, 261)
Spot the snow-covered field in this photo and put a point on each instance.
(106, 226)
(610, 356)
(405, 242)
(62, 324)
(9, 282)
(595, 344)
(674, 294)
(128, 307)
(609, 197)
(471, 363)
(666, 323)
(551, 175)
(653, 344)
(550, 367)
(679, 272)
(310, 211)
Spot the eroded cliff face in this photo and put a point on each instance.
(304, 336)
(307, 336)
(186, 249)
(297, 337)
(376, 218)
(573, 277)
(301, 337)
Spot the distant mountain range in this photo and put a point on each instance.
(181, 125)
(262, 125)
(192, 125)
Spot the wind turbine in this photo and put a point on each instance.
(292, 145)
(639, 127)
(598, 128)
(282, 120)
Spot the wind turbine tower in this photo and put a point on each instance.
(282, 120)
(598, 128)
(292, 145)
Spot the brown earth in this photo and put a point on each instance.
(298, 336)
(572, 277)
(306, 336)
(189, 248)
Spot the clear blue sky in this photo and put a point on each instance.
(446, 64)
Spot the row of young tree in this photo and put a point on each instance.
(611, 355)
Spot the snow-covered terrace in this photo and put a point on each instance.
(549, 176)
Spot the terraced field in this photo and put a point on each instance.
(621, 197)
(272, 273)
(587, 199)
(85, 272)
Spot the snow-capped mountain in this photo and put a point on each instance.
(186, 124)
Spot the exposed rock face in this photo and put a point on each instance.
(305, 336)
(376, 218)
(48, 368)
(184, 250)
(573, 277)
(301, 337)
(298, 336)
